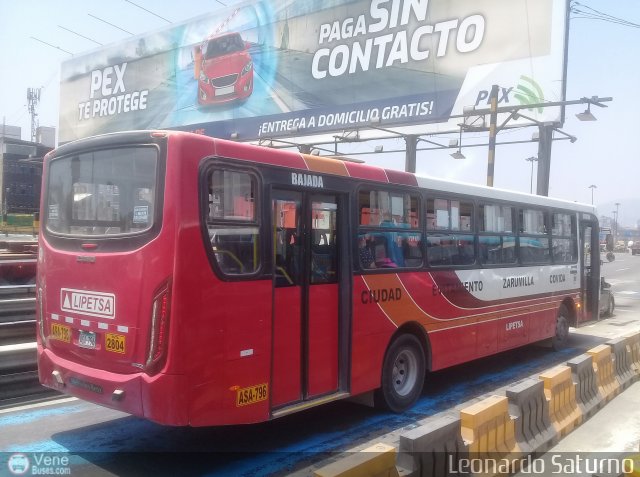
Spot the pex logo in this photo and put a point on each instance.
(526, 92)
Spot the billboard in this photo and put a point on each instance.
(308, 68)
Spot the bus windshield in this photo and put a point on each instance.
(104, 192)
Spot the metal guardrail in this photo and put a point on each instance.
(18, 366)
(22, 330)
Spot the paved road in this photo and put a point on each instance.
(98, 437)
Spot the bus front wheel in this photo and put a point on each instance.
(561, 337)
(402, 374)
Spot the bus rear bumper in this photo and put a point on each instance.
(130, 393)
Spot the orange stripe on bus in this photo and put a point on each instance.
(325, 165)
(399, 310)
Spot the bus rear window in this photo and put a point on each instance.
(105, 192)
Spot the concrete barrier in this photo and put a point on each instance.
(603, 367)
(589, 398)
(527, 403)
(378, 460)
(427, 451)
(622, 362)
(633, 344)
(489, 430)
(561, 396)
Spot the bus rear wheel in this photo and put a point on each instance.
(402, 374)
(561, 338)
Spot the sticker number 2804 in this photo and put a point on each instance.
(252, 394)
(114, 343)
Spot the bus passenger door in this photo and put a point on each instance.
(323, 300)
(590, 270)
(286, 369)
(307, 325)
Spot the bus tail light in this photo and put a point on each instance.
(40, 317)
(159, 339)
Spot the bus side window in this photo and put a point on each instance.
(235, 250)
(465, 254)
(369, 216)
(234, 231)
(437, 252)
(381, 253)
(286, 257)
(412, 250)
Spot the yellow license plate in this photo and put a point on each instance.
(114, 343)
(252, 394)
(60, 332)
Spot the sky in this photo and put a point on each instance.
(603, 61)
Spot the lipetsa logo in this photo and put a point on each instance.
(87, 302)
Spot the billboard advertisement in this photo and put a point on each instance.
(308, 68)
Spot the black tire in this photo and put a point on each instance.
(561, 337)
(403, 373)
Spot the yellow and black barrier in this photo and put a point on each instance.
(633, 345)
(489, 430)
(622, 362)
(603, 367)
(528, 405)
(378, 460)
(560, 392)
(430, 450)
(529, 420)
(587, 394)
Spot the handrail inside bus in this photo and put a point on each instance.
(232, 255)
(285, 274)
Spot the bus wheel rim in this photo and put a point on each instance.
(405, 372)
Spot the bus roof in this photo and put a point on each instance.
(335, 166)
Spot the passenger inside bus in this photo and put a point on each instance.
(367, 259)
(381, 252)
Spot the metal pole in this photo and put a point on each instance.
(410, 159)
(531, 160)
(493, 98)
(544, 158)
(531, 185)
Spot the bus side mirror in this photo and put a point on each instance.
(609, 242)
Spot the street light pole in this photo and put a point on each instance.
(531, 159)
(592, 186)
(617, 218)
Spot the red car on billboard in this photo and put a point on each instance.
(224, 69)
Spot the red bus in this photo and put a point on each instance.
(198, 281)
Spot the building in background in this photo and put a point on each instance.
(21, 169)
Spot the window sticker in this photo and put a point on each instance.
(141, 214)
(53, 211)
